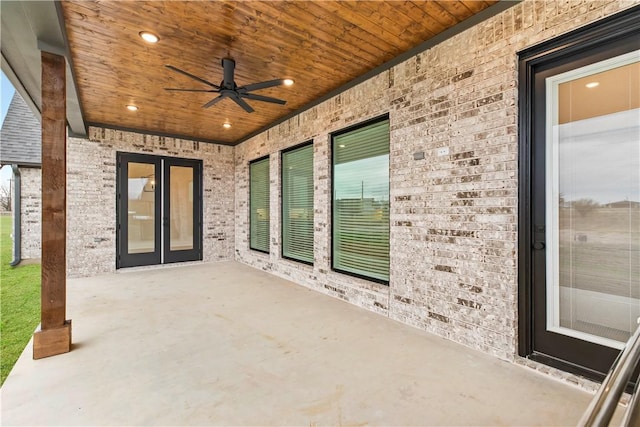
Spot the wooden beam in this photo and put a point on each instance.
(54, 336)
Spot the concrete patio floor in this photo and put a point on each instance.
(226, 344)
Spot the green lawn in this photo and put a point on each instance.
(20, 301)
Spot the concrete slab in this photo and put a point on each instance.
(225, 344)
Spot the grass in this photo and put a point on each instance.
(19, 300)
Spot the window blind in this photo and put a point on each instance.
(259, 205)
(361, 201)
(297, 204)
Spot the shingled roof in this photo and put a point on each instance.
(20, 136)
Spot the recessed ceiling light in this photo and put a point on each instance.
(287, 82)
(341, 146)
(132, 107)
(591, 85)
(226, 125)
(149, 37)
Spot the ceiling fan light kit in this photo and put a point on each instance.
(229, 89)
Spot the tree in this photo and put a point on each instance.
(584, 206)
(5, 197)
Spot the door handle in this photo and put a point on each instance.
(538, 246)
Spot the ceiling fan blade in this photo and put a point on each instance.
(190, 90)
(241, 102)
(262, 85)
(262, 98)
(213, 101)
(178, 70)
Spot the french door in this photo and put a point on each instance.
(580, 207)
(159, 210)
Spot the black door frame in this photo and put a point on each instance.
(194, 254)
(122, 222)
(162, 254)
(612, 36)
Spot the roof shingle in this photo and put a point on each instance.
(20, 136)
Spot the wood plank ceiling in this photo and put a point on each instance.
(322, 45)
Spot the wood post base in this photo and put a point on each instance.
(52, 341)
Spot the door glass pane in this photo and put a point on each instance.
(141, 208)
(181, 203)
(593, 201)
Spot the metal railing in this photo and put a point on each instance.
(604, 403)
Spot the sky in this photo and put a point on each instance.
(7, 93)
(7, 90)
(367, 178)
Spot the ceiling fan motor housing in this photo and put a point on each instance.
(228, 68)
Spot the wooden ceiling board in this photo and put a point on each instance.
(474, 6)
(322, 45)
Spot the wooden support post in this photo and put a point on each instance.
(54, 336)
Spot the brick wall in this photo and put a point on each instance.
(453, 216)
(31, 210)
(91, 197)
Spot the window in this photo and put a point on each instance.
(360, 225)
(259, 205)
(297, 203)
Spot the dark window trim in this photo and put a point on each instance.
(531, 61)
(259, 250)
(259, 159)
(357, 126)
(351, 128)
(297, 260)
(295, 147)
(356, 275)
(282, 153)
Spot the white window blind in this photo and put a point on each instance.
(361, 201)
(297, 204)
(259, 205)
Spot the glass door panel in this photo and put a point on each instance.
(593, 201)
(181, 202)
(182, 210)
(141, 208)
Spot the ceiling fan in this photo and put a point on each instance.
(229, 89)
